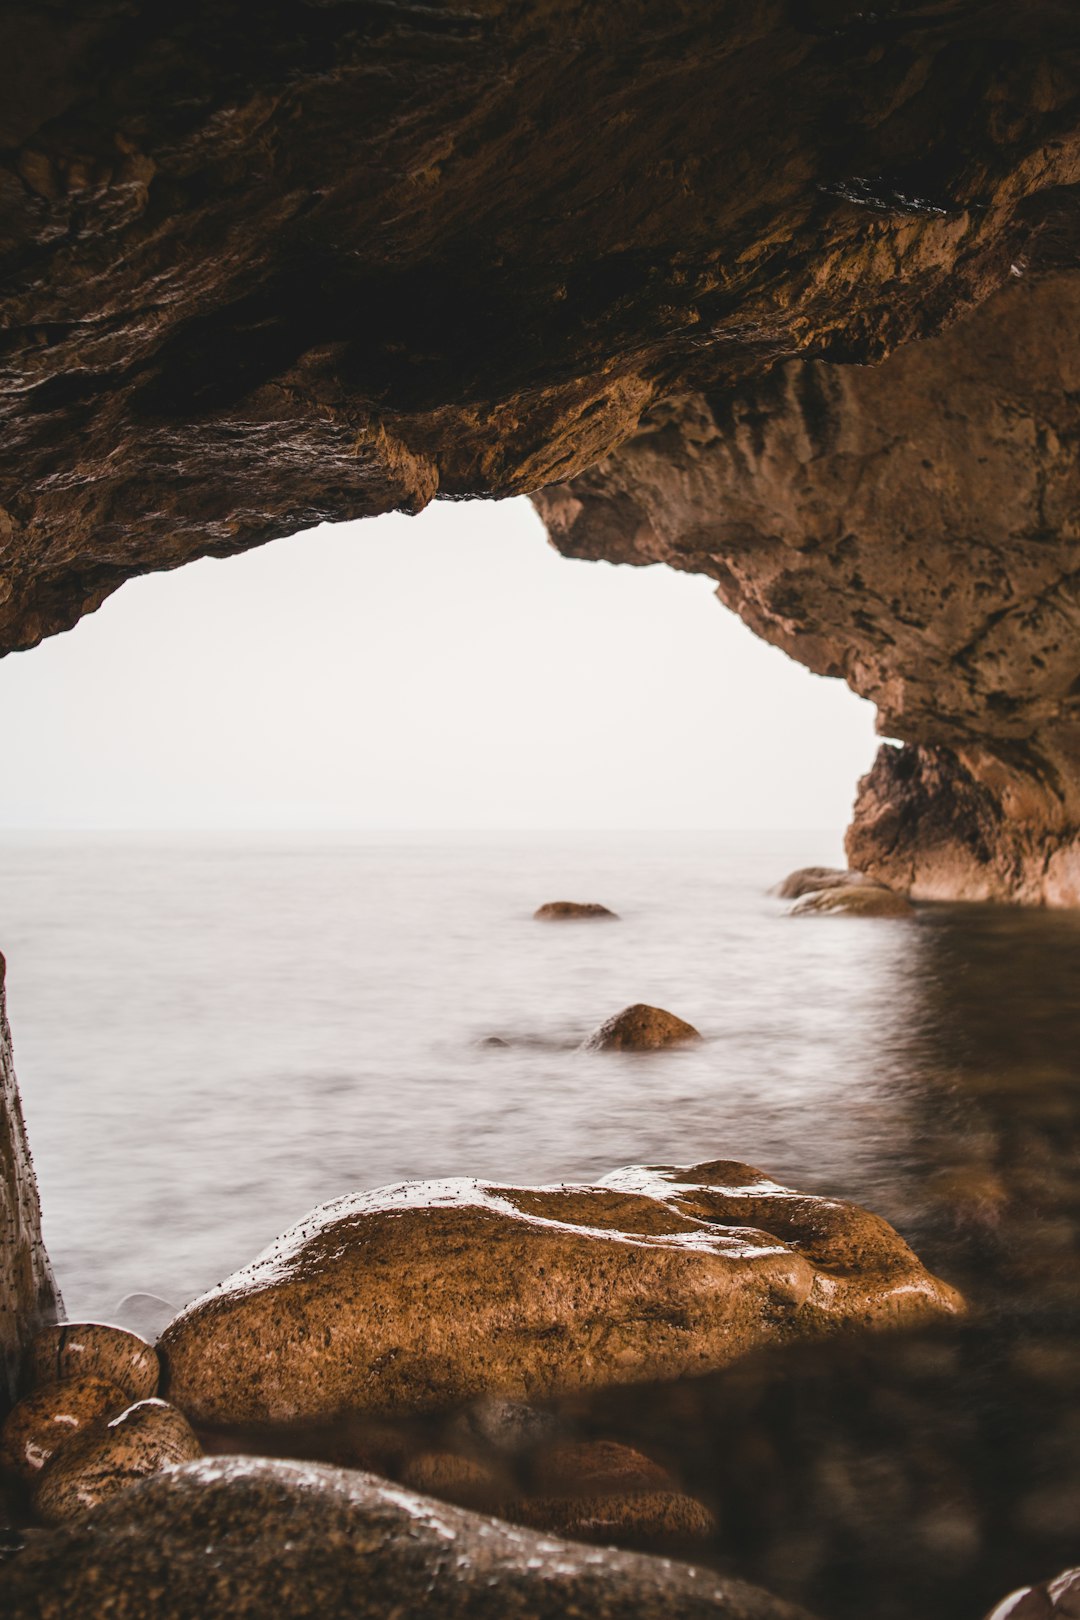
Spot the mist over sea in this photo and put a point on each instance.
(214, 1033)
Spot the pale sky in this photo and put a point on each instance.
(447, 671)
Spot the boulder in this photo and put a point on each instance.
(812, 879)
(854, 900)
(668, 1519)
(572, 911)
(240, 1539)
(447, 1474)
(1058, 1599)
(72, 1349)
(43, 1422)
(110, 1456)
(640, 1028)
(423, 1295)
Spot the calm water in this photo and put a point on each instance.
(213, 1035)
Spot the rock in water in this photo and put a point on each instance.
(241, 1539)
(812, 879)
(640, 1028)
(110, 1457)
(855, 900)
(571, 911)
(71, 1349)
(429, 1293)
(1058, 1599)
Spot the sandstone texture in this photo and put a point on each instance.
(306, 1542)
(854, 900)
(640, 1028)
(110, 1456)
(423, 1295)
(28, 1293)
(910, 528)
(571, 911)
(74, 1349)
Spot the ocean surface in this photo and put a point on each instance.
(213, 1034)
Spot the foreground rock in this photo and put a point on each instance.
(640, 1028)
(855, 900)
(51, 1416)
(238, 1538)
(28, 1292)
(1058, 1599)
(108, 1457)
(431, 1293)
(572, 911)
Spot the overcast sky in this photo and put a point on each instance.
(444, 671)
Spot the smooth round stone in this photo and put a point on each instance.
(73, 1349)
(573, 911)
(660, 1518)
(51, 1417)
(109, 1457)
(597, 1468)
(640, 1028)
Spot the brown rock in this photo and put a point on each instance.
(28, 1292)
(571, 911)
(427, 1294)
(640, 1028)
(813, 879)
(49, 1418)
(111, 1456)
(908, 528)
(596, 1468)
(72, 1349)
(855, 900)
(659, 1518)
(240, 1539)
(456, 1478)
(1057, 1599)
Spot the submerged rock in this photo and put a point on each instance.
(856, 900)
(144, 1313)
(640, 1028)
(51, 1416)
(813, 879)
(419, 1296)
(572, 911)
(111, 1456)
(71, 1349)
(236, 1538)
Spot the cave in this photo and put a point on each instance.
(781, 293)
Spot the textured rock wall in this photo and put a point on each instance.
(911, 528)
(28, 1295)
(261, 269)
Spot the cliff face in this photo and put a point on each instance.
(327, 259)
(911, 528)
(28, 1295)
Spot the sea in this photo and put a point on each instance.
(215, 1032)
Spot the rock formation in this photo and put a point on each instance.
(640, 1028)
(419, 1296)
(910, 528)
(299, 1540)
(28, 1295)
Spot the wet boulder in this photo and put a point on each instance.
(73, 1349)
(573, 911)
(1057, 1599)
(239, 1539)
(112, 1455)
(599, 1490)
(854, 900)
(640, 1028)
(812, 879)
(51, 1416)
(424, 1295)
